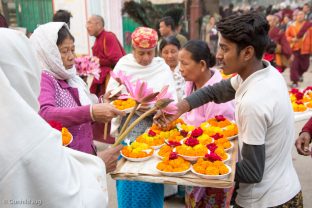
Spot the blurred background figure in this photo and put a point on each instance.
(169, 49)
(107, 48)
(3, 22)
(282, 51)
(299, 36)
(62, 16)
(307, 11)
(167, 28)
(211, 34)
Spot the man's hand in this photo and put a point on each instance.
(110, 157)
(105, 112)
(302, 144)
(163, 120)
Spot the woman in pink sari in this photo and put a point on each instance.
(195, 66)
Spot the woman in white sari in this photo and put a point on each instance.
(36, 170)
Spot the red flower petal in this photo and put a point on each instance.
(212, 147)
(151, 133)
(174, 143)
(217, 136)
(213, 157)
(220, 118)
(56, 125)
(191, 141)
(197, 132)
(183, 133)
(173, 155)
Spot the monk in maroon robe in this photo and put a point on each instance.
(107, 48)
(283, 50)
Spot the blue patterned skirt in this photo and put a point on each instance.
(136, 194)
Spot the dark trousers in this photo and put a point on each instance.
(295, 202)
(299, 66)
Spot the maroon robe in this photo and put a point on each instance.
(108, 49)
(279, 37)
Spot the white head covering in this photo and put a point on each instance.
(44, 41)
(34, 164)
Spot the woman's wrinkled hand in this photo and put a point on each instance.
(302, 144)
(105, 112)
(110, 157)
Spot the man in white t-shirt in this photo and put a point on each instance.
(263, 112)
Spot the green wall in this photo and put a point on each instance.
(30, 13)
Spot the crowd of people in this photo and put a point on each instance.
(39, 84)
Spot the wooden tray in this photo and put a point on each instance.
(146, 171)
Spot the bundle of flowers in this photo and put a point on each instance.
(165, 151)
(210, 130)
(219, 121)
(175, 131)
(210, 165)
(221, 153)
(150, 138)
(172, 125)
(191, 147)
(203, 139)
(221, 141)
(173, 163)
(124, 104)
(87, 65)
(298, 106)
(137, 150)
(230, 130)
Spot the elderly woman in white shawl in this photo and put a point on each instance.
(142, 64)
(36, 170)
(64, 97)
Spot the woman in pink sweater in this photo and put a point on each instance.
(64, 97)
(195, 66)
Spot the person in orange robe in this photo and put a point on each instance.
(299, 36)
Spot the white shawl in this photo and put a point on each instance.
(44, 41)
(157, 75)
(34, 164)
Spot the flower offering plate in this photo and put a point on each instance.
(157, 147)
(230, 148)
(212, 176)
(136, 159)
(174, 173)
(232, 137)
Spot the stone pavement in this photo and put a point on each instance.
(302, 164)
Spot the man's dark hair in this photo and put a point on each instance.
(200, 51)
(168, 22)
(249, 29)
(62, 34)
(171, 40)
(62, 16)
